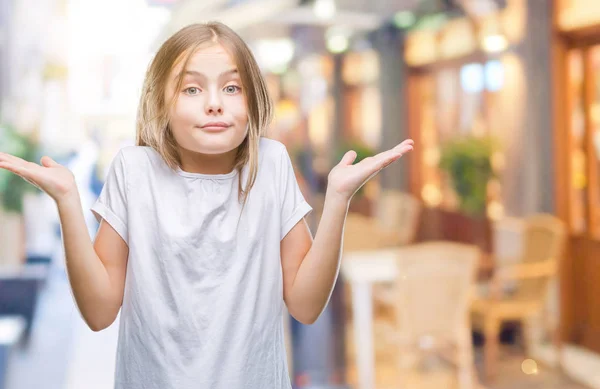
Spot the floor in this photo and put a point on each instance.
(435, 373)
(64, 354)
(510, 377)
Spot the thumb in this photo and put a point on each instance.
(348, 158)
(48, 162)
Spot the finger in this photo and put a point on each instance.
(407, 142)
(48, 162)
(386, 158)
(17, 169)
(399, 149)
(389, 156)
(21, 171)
(403, 149)
(388, 161)
(11, 167)
(29, 167)
(12, 159)
(348, 158)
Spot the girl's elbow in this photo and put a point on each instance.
(97, 327)
(310, 320)
(303, 311)
(306, 318)
(99, 323)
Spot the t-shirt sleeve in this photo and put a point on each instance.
(111, 205)
(293, 205)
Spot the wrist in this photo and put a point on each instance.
(336, 199)
(68, 198)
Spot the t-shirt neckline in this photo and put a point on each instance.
(223, 176)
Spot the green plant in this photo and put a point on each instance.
(467, 161)
(13, 187)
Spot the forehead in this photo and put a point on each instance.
(207, 59)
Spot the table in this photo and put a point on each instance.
(362, 269)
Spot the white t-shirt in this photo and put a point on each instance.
(203, 301)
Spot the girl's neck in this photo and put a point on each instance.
(193, 162)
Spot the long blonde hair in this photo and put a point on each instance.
(152, 127)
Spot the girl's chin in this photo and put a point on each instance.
(212, 144)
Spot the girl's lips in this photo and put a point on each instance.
(215, 126)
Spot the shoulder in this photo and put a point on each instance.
(272, 150)
(132, 154)
(267, 145)
(138, 160)
(138, 156)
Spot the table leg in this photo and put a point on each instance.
(363, 334)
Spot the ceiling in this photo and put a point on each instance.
(275, 17)
(256, 19)
(381, 7)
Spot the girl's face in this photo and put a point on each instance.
(210, 115)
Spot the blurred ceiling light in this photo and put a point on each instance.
(337, 44)
(275, 55)
(324, 9)
(495, 43)
(337, 39)
(404, 19)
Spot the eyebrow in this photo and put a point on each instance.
(198, 74)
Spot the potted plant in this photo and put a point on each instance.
(467, 161)
(12, 192)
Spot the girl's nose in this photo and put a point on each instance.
(214, 106)
(213, 109)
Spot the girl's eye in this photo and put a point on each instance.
(232, 89)
(192, 90)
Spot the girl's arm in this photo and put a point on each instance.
(310, 268)
(96, 272)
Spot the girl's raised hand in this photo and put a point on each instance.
(345, 178)
(54, 179)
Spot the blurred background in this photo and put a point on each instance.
(471, 263)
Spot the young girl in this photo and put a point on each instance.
(202, 236)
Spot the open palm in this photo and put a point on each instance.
(345, 178)
(51, 177)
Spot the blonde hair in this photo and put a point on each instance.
(152, 127)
